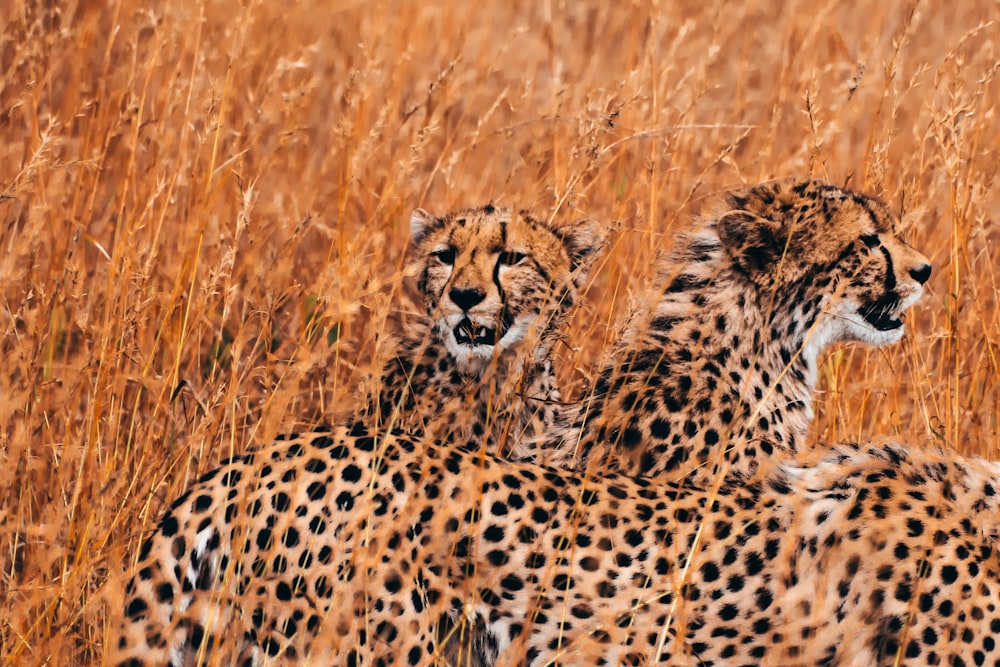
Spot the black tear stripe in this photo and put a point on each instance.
(496, 281)
(890, 278)
(451, 270)
(496, 267)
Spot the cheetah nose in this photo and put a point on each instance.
(921, 274)
(466, 298)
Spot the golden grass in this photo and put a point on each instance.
(203, 208)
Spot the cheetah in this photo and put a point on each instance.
(871, 556)
(720, 369)
(545, 565)
(497, 287)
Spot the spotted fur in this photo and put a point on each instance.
(497, 286)
(370, 544)
(356, 546)
(720, 369)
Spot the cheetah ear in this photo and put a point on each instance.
(584, 241)
(421, 224)
(753, 243)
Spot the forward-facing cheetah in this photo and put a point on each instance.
(497, 286)
(722, 366)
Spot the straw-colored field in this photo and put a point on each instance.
(203, 209)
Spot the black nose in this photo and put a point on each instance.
(466, 298)
(922, 274)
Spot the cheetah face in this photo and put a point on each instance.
(830, 257)
(492, 279)
(886, 279)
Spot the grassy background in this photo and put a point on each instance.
(203, 208)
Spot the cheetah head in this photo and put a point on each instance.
(492, 278)
(827, 257)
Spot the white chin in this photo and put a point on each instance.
(466, 354)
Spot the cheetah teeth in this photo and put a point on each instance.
(469, 333)
(880, 314)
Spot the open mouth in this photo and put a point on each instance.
(881, 313)
(469, 333)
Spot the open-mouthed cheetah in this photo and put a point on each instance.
(722, 366)
(372, 542)
(497, 286)
(719, 369)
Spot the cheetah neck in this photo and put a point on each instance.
(716, 376)
(498, 403)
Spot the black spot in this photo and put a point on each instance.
(344, 501)
(511, 481)
(764, 598)
(494, 533)
(168, 527)
(264, 539)
(315, 466)
(535, 560)
(338, 452)
(280, 501)
(728, 612)
(512, 582)
(283, 592)
(393, 584)
(135, 608)
(365, 444)
(660, 429)
(633, 537)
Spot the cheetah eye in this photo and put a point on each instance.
(446, 256)
(512, 258)
(870, 240)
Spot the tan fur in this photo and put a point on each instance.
(485, 270)
(391, 549)
(719, 371)
(869, 556)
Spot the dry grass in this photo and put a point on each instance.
(203, 208)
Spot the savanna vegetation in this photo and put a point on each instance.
(204, 206)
